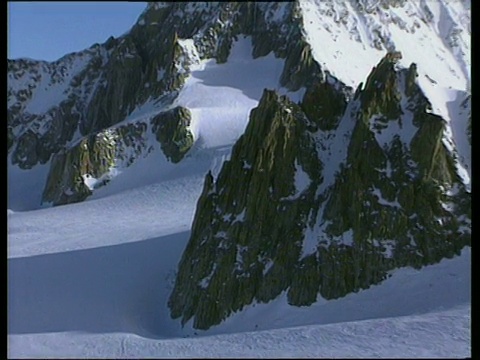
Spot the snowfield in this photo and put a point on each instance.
(221, 96)
(91, 280)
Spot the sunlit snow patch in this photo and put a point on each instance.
(221, 96)
(94, 183)
(382, 201)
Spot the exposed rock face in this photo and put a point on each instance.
(90, 163)
(171, 129)
(240, 229)
(278, 219)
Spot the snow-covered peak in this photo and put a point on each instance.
(349, 37)
(433, 34)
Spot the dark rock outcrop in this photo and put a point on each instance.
(171, 130)
(396, 200)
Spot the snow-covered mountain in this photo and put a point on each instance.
(63, 113)
(335, 137)
(108, 101)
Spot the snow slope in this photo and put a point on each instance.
(221, 96)
(92, 280)
(18, 180)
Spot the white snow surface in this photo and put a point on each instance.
(18, 180)
(382, 201)
(92, 279)
(47, 92)
(346, 27)
(302, 180)
(221, 96)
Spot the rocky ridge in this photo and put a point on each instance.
(276, 219)
(54, 106)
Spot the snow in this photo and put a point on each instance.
(47, 94)
(441, 334)
(93, 183)
(226, 217)
(19, 180)
(159, 5)
(326, 39)
(246, 165)
(160, 74)
(146, 110)
(388, 169)
(389, 248)
(310, 242)
(267, 267)
(89, 280)
(89, 181)
(240, 217)
(274, 12)
(347, 238)
(206, 280)
(332, 147)
(221, 96)
(92, 280)
(190, 49)
(448, 206)
(419, 42)
(239, 265)
(459, 131)
(382, 201)
(302, 180)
